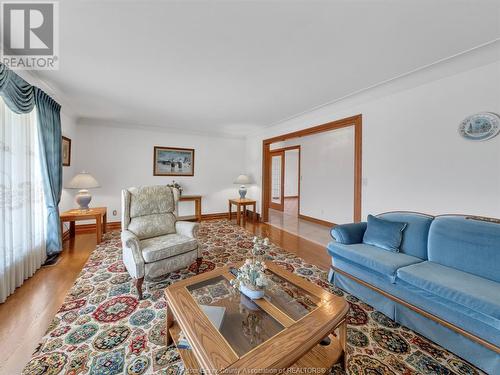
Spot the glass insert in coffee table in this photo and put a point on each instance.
(242, 322)
(225, 328)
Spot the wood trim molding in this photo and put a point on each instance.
(317, 221)
(89, 228)
(217, 215)
(288, 148)
(426, 314)
(278, 153)
(342, 123)
(116, 225)
(223, 215)
(266, 181)
(358, 166)
(355, 121)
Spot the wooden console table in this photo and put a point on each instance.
(242, 202)
(197, 206)
(97, 213)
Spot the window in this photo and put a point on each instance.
(22, 206)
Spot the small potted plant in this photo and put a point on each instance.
(176, 185)
(251, 278)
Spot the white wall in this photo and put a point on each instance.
(120, 157)
(413, 157)
(291, 173)
(327, 174)
(327, 169)
(68, 125)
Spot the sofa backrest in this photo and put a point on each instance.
(149, 211)
(466, 244)
(416, 233)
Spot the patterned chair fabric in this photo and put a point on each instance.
(154, 241)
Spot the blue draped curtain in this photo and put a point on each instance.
(21, 97)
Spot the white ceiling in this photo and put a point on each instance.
(233, 66)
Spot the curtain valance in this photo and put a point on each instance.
(18, 94)
(21, 97)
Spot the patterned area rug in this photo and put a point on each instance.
(102, 328)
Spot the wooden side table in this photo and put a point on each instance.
(242, 202)
(97, 213)
(197, 206)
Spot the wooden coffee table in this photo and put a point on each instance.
(282, 330)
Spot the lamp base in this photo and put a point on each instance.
(242, 191)
(83, 199)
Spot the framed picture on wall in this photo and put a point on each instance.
(172, 161)
(66, 151)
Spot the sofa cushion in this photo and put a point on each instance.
(473, 321)
(349, 233)
(384, 234)
(468, 245)
(416, 233)
(162, 247)
(152, 225)
(379, 260)
(484, 326)
(460, 287)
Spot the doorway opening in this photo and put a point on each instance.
(285, 179)
(314, 176)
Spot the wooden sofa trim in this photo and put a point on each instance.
(428, 315)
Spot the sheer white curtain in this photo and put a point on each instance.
(22, 208)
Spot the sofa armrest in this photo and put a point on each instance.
(187, 228)
(132, 255)
(348, 234)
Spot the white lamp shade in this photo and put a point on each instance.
(243, 179)
(83, 180)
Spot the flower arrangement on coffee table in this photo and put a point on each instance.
(251, 279)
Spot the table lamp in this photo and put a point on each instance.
(83, 181)
(243, 179)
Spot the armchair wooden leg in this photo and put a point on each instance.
(198, 265)
(138, 285)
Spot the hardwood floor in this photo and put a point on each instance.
(289, 221)
(311, 252)
(26, 314)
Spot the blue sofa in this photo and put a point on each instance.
(448, 266)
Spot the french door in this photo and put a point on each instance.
(277, 188)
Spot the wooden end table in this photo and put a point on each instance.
(97, 213)
(197, 206)
(229, 333)
(242, 202)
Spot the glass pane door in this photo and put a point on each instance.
(277, 175)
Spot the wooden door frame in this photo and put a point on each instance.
(284, 150)
(355, 121)
(276, 206)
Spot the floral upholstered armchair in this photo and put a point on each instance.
(154, 241)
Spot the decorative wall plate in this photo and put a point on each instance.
(480, 126)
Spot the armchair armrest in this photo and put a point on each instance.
(130, 240)
(132, 255)
(187, 228)
(348, 234)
